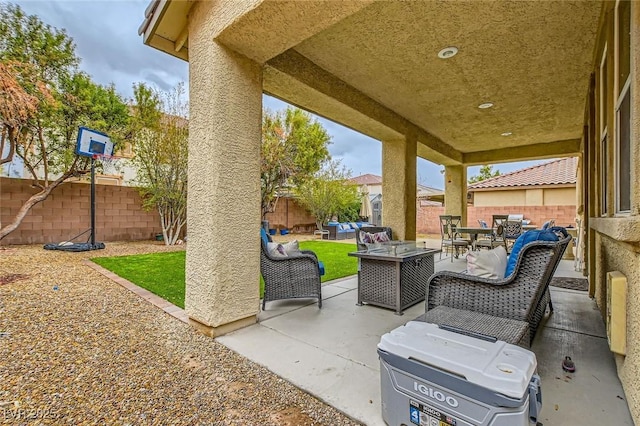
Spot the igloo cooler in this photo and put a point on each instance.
(432, 376)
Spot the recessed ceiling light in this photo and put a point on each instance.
(485, 105)
(448, 52)
(506, 134)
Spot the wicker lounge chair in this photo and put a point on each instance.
(524, 295)
(371, 230)
(290, 277)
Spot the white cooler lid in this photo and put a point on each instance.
(498, 366)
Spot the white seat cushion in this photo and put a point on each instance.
(487, 264)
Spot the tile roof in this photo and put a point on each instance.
(557, 172)
(427, 191)
(367, 179)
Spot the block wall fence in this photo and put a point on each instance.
(120, 217)
(67, 212)
(428, 216)
(291, 215)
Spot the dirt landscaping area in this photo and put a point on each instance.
(76, 348)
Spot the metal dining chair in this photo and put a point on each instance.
(496, 238)
(512, 230)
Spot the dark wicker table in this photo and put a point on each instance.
(396, 281)
(509, 330)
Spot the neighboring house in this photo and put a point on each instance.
(373, 182)
(430, 196)
(119, 171)
(426, 195)
(542, 192)
(374, 186)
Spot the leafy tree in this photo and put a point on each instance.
(294, 147)
(351, 213)
(43, 99)
(160, 134)
(486, 172)
(328, 193)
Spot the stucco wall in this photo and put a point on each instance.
(375, 189)
(560, 197)
(499, 198)
(526, 197)
(225, 100)
(67, 212)
(399, 187)
(614, 256)
(615, 239)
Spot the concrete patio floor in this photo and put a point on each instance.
(331, 352)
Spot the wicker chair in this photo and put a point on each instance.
(371, 230)
(524, 295)
(290, 277)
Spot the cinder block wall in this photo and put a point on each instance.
(291, 215)
(428, 222)
(427, 219)
(67, 212)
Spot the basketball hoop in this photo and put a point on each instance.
(108, 162)
(97, 146)
(103, 158)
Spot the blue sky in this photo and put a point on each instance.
(107, 41)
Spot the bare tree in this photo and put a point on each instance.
(160, 138)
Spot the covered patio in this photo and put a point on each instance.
(331, 353)
(457, 83)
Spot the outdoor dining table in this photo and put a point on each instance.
(473, 233)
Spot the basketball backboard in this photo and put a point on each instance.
(91, 142)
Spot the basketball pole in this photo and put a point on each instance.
(93, 201)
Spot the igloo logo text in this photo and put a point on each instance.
(434, 394)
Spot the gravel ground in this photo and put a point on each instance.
(78, 349)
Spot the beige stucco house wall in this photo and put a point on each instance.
(614, 233)
(526, 197)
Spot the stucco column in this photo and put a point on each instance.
(399, 159)
(223, 216)
(455, 191)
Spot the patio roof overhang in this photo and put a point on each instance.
(374, 67)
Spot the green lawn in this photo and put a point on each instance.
(163, 273)
(160, 273)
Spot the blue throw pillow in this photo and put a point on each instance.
(527, 237)
(321, 267)
(263, 235)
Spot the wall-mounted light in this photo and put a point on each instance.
(485, 105)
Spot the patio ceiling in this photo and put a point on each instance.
(374, 67)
